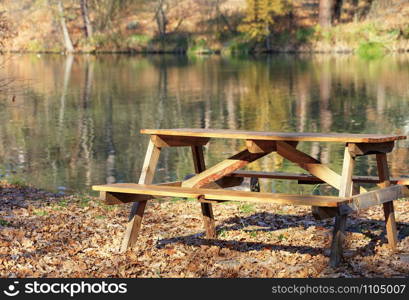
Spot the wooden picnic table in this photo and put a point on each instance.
(208, 185)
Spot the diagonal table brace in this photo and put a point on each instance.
(310, 164)
(223, 168)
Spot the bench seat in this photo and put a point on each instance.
(216, 194)
(305, 178)
(131, 192)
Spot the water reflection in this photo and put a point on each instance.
(78, 122)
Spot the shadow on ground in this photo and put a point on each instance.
(373, 230)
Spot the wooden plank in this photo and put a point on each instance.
(146, 189)
(121, 198)
(203, 200)
(260, 146)
(388, 209)
(356, 202)
(338, 237)
(229, 181)
(275, 175)
(198, 159)
(359, 149)
(345, 190)
(138, 208)
(309, 163)
(380, 196)
(207, 209)
(162, 141)
(276, 136)
(149, 164)
(257, 197)
(321, 213)
(171, 183)
(225, 195)
(113, 198)
(208, 220)
(222, 183)
(222, 169)
(311, 178)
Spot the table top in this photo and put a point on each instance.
(276, 136)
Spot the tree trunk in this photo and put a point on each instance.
(66, 35)
(161, 18)
(85, 18)
(378, 6)
(325, 12)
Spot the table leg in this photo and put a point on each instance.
(340, 220)
(207, 210)
(383, 173)
(138, 208)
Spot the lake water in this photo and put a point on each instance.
(74, 121)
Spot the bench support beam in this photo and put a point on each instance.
(360, 149)
(138, 208)
(311, 179)
(260, 146)
(164, 141)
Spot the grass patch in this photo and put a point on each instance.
(16, 181)
(304, 35)
(281, 237)
(63, 203)
(177, 199)
(100, 217)
(222, 233)
(246, 208)
(102, 42)
(108, 207)
(238, 46)
(253, 234)
(371, 50)
(199, 47)
(34, 46)
(138, 40)
(4, 223)
(84, 202)
(40, 213)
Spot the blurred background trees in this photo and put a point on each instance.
(203, 25)
(261, 16)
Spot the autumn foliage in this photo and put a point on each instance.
(261, 16)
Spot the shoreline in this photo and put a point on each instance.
(351, 51)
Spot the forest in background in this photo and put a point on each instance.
(369, 27)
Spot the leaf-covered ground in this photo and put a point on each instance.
(43, 235)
